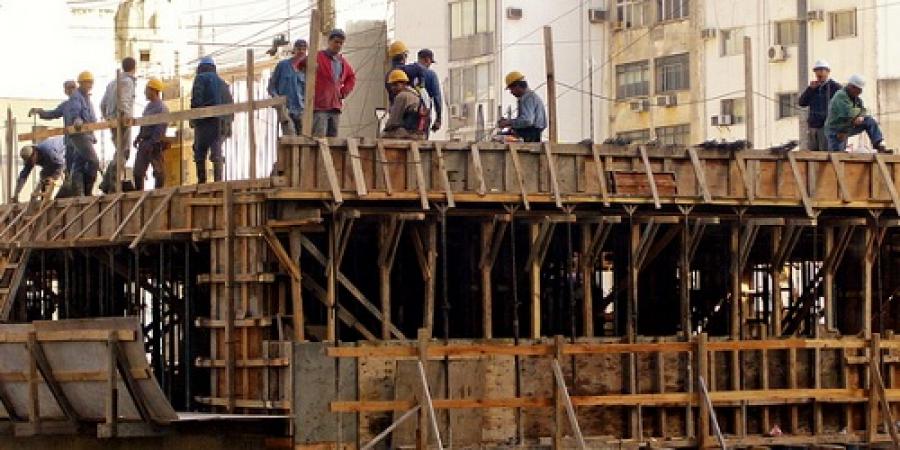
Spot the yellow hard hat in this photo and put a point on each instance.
(514, 76)
(85, 76)
(156, 84)
(26, 152)
(397, 48)
(397, 75)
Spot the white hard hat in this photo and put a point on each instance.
(26, 152)
(821, 64)
(857, 80)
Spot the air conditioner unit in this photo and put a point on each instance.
(816, 15)
(596, 16)
(722, 120)
(453, 110)
(667, 100)
(709, 33)
(640, 106)
(777, 53)
(513, 13)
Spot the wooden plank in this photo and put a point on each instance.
(130, 214)
(72, 221)
(481, 188)
(98, 217)
(163, 206)
(445, 177)
(251, 117)
(420, 174)
(551, 84)
(700, 174)
(385, 170)
(520, 176)
(888, 181)
(330, 172)
(741, 163)
(801, 184)
(650, 178)
(228, 307)
(838, 167)
(312, 66)
(554, 180)
(601, 175)
(18, 337)
(359, 179)
(46, 371)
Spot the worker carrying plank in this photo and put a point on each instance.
(816, 98)
(210, 89)
(408, 114)
(149, 143)
(289, 81)
(531, 120)
(50, 155)
(847, 116)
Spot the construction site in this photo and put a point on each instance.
(366, 293)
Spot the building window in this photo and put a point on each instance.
(842, 24)
(671, 9)
(787, 32)
(633, 79)
(631, 13)
(471, 17)
(673, 73)
(634, 136)
(733, 107)
(674, 135)
(469, 86)
(787, 105)
(732, 41)
(145, 55)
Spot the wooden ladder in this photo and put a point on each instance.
(13, 262)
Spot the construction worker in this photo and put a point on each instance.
(398, 52)
(816, 98)
(69, 87)
(429, 86)
(51, 156)
(532, 117)
(408, 118)
(289, 80)
(209, 90)
(111, 105)
(847, 116)
(149, 142)
(335, 80)
(80, 111)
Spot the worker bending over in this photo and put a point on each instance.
(532, 117)
(289, 81)
(149, 143)
(51, 156)
(408, 115)
(816, 97)
(69, 88)
(847, 116)
(209, 90)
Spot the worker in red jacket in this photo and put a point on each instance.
(335, 80)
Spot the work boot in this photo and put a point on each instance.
(218, 171)
(880, 147)
(201, 171)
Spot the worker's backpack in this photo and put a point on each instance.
(418, 120)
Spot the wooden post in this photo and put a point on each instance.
(558, 423)
(251, 113)
(702, 372)
(331, 289)
(735, 247)
(112, 386)
(228, 263)
(633, 275)
(422, 430)
(120, 134)
(775, 323)
(534, 274)
(297, 288)
(685, 278)
(587, 280)
(748, 90)
(551, 83)
(429, 278)
(874, 351)
(10, 152)
(868, 260)
(487, 308)
(315, 33)
(828, 286)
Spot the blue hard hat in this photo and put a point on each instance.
(207, 60)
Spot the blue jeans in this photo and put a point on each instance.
(869, 125)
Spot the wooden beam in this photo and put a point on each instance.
(420, 173)
(342, 314)
(551, 83)
(551, 166)
(312, 66)
(98, 217)
(131, 213)
(72, 221)
(650, 178)
(385, 171)
(228, 315)
(163, 206)
(888, 181)
(520, 176)
(330, 172)
(359, 179)
(801, 184)
(478, 170)
(838, 167)
(251, 119)
(601, 175)
(36, 351)
(700, 174)
(445, 177)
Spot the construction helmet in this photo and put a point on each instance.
(857, 80)
(156, 84)
(397, 75)
(821, 64)
(27, 152)
(514, 76)
(85, 76)
(207, 60)
(397, 48)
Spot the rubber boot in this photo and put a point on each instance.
(201, 171)
(218, 171)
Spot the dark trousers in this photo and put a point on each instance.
(530, 134)
(85, 164)
(208, 142)
(148, 155)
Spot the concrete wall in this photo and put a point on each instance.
(365, 49)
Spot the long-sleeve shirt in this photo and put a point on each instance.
(404, 112)
(531, 112)
(432, 87)
(817, 98)
(289, 81)
(51, 156)
(842, 110)
(109, 104)
(56, 113)
(332, 86)
(152, 134)
(79, 107)
(414, 72)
